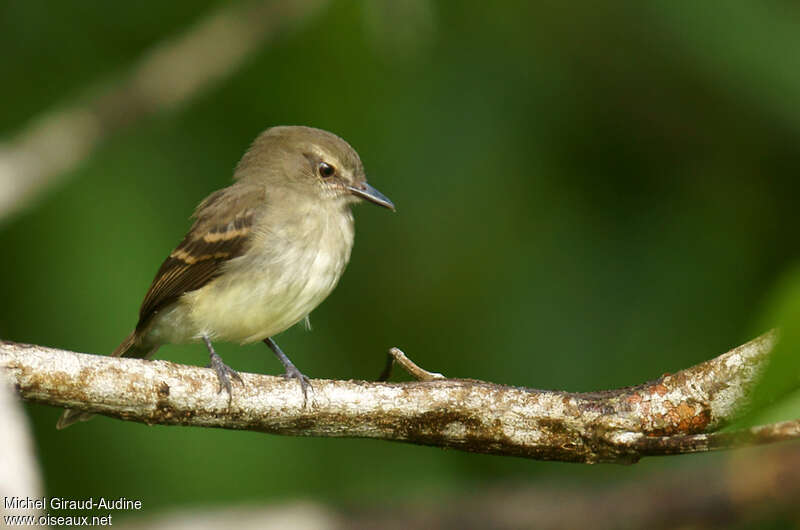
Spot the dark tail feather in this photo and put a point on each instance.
(129, 344)
(129, 347)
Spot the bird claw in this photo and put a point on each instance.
(305, 383)
(224, 374)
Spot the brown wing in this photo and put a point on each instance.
(220, 232)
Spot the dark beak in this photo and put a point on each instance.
(367, 192)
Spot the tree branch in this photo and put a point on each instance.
(666, 416)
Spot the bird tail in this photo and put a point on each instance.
(130, 347)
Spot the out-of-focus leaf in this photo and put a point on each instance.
(776, 390)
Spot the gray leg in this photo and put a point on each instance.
(291, 370)
(223, 371)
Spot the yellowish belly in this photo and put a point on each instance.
(278, 282)
(243, 306)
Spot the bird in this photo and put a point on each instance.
(260, 255)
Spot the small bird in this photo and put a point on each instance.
(261, 254)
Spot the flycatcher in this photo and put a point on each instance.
(261, 254)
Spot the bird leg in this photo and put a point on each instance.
(291, 370)
(223, 371)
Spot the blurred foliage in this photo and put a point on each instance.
(776, 397)
(589, 195)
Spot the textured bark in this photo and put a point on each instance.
(673, 414)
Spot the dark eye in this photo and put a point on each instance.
(326, 170)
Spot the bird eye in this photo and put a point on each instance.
(326, 170)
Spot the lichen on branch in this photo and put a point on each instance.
(677, 413)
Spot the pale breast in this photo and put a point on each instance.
(290, 269)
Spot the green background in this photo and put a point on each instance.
(588, 196)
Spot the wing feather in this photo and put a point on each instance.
(221, 231)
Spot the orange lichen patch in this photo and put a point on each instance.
(634, 399)
(700, 421)
(684, 411)
(683, 419)
(672, 419)
(660, 389)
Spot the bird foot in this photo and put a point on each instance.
(224, 374)
(305, 383)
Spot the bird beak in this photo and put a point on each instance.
(367, 192)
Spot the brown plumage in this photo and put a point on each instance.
(221, 231)
(261, 254)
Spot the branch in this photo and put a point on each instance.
(666, 416)
(169, 74)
